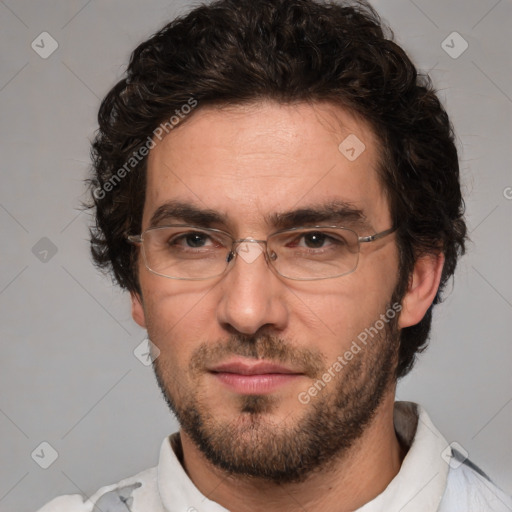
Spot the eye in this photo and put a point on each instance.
(315, 242)
(315, 239)
(193, 240)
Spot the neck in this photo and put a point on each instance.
(346, 485)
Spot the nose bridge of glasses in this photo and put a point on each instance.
(249, 249)
(249, 241)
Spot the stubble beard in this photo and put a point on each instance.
(254, 446)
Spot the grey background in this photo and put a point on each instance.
(68, 374)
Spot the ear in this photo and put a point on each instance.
(422, 289)
(138, 310)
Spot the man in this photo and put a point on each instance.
(279, 192)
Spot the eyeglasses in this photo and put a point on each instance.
(303, 253)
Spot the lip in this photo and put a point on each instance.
(253, 377)
(248, 367)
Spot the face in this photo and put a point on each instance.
(242, 354)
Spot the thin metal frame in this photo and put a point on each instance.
(139, 241)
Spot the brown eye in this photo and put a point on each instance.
(315, 240)
(195, 239)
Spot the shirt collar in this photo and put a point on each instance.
(420, 484)
(177, 491)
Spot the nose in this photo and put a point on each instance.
(253, 297)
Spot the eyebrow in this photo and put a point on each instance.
(337, 212)
(177, 211)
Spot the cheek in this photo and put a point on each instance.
(178, 315)
(342, 316)
(336, 312)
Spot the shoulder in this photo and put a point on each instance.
(138, 492)
(469, 489)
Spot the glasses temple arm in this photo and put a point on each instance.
(376, 236)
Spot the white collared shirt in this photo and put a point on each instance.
(433, 477)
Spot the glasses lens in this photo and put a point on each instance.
(185, 252)
(314, 253)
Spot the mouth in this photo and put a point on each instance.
(249, 377)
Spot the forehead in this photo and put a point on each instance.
(253, 163)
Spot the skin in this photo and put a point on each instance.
(229, 160)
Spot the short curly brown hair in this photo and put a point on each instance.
(238, 51)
